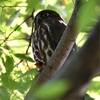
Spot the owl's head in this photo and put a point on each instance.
(45, 14)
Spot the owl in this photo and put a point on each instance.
(49, 27)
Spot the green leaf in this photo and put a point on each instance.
(32, 4)
(5, 80)
(47, 2)
(13, 17)
(4, 94)
(1, 51)
(52, 90)
(87, 97)
(88, 13)
(30, 72)
(7, 47)
(94, 88)
(24, 57)
(9, 63)
(2, 30)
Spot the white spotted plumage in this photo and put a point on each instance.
(49, 27)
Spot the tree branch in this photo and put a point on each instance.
(78, 71)
(83, 67)
(66, 43)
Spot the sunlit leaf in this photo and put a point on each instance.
(51, 2)
(2, 30)
(94, 90)
(13, 17)
(9, 64)
(24, 57)
(52, 90)
(5, 80)
(47, 2)
(32, 4)
(87, 17)
(4, 95)
(1, 51)
(30, 72)
(87, 97)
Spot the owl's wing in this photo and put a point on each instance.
(54, 29)
(45, 40)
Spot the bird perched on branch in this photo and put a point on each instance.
(49, 27)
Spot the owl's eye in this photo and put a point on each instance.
(46, 15)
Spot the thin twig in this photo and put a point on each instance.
(32, 16)
(15, 30)
(31, 33)
(19, 98)
(18, 63)
(15, 39)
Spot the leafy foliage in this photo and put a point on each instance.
(58, 88)
(17, 69)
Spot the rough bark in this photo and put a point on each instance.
(79, 70)
(66, 43)
(82, 67)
